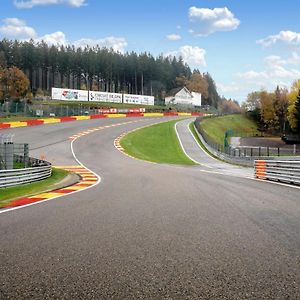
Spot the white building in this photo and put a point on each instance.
(197, 99)
(183, 96)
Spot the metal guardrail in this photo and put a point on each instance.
(242, 161)
(283, 170)
(15, 177)
(245, 151)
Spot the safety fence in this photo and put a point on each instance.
(283, 171)
(41, 170)
(14, 156)
(247, 151)
(216, 151)
(241, 152)
(48, 109)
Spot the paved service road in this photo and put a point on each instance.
(195, 152)
(149, 231)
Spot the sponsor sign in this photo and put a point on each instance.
(105, 97)
(136, 110)
(121, 110)
(108, 111)
(81, 95)
(138, 99)
(69, 94)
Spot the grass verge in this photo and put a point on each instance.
(25, 190)
(216, 127)
(157, 143)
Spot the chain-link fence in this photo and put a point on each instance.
(21, 109)
(44, 109)
(246, 151)
(12, 155)
(16, 109)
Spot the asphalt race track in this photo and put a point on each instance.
(149, 231)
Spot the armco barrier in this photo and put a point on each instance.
(242, 161)
(282, 170)
(15, 177)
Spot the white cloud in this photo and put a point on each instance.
(294, 59)
(285, 37)
(14, 28)
(208, 21)
(116, 43)
(32, 3)
(173, 37)
(276, 70)
(274, 60)
(194, 56)
(281, 72)
(253, 75)
(55, 38)
(228, 88)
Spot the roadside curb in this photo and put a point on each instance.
(85, 179)
(117, 144)
(37, 122)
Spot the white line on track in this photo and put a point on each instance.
(180, 142)
(210, 156)
(77, 136)
(234, 175)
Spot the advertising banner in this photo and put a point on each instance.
(108, 111)
(120, 110)
(69, 94)
(105, 97)
(82, 95)
(138, 99)
(136, 110)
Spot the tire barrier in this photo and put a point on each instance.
(287, 171)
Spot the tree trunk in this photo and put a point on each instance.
(135, 82)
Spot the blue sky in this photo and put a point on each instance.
(246, 45)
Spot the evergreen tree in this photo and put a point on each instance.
(95, 68)
(213, 97)
(297, 113)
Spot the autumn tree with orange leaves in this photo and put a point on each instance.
(196, 83)
(14, 84)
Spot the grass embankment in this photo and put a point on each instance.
(157, 143)
(216, 127)
(25, 190)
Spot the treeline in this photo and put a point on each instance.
(102, 69)
(278, 111)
